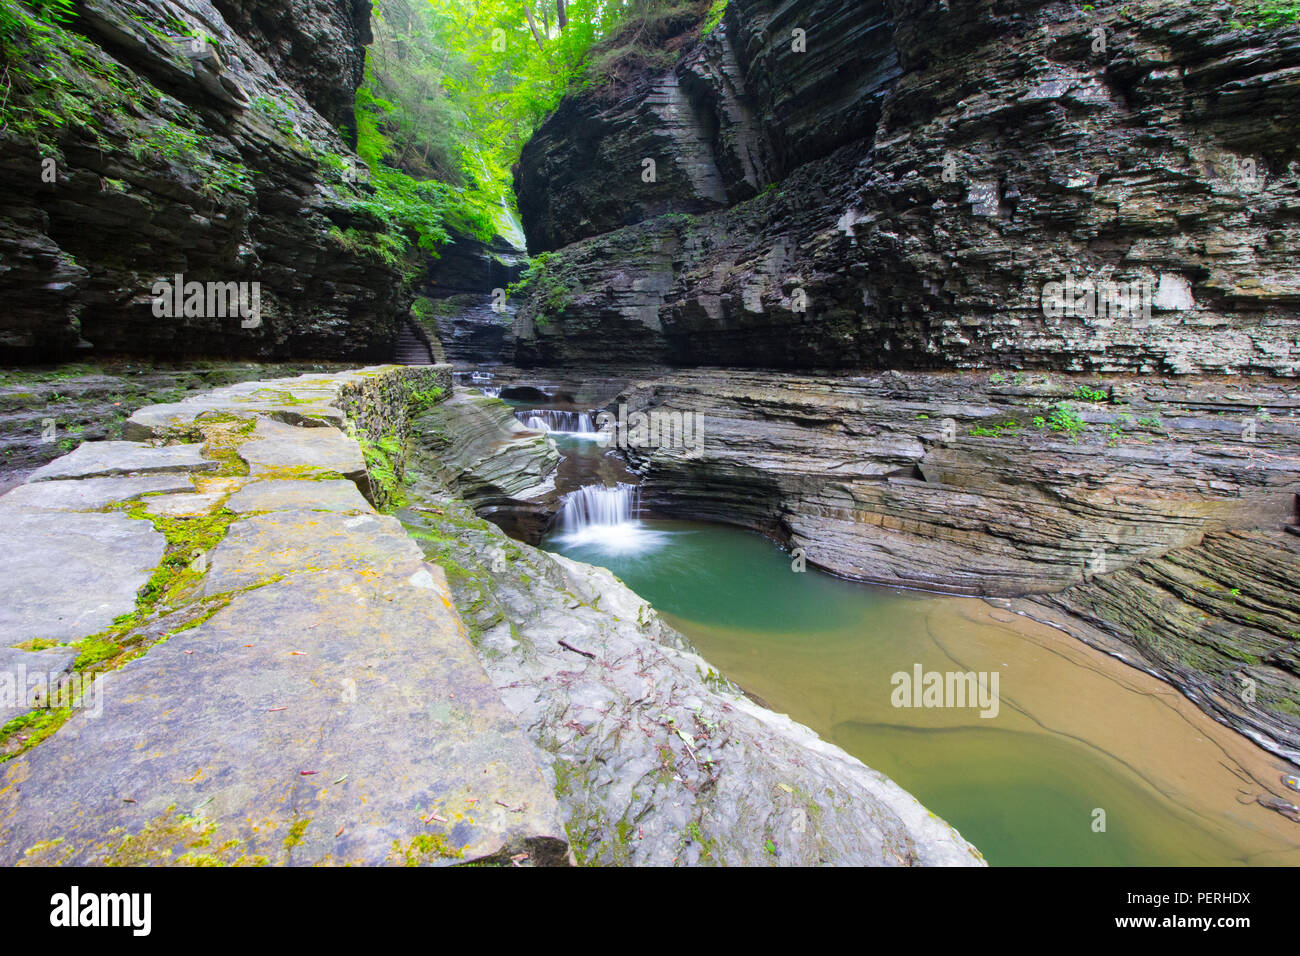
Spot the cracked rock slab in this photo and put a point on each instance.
(288, 542)
(277, 494)
(274, 446)
(333, 717)
(90, 494)
(108, 458)
(68, 575)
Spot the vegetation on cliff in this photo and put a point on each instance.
(452, 92)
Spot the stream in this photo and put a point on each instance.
(1085, 761)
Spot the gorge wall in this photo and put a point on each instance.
(899, 193)
(151, 139)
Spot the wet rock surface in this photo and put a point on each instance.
(971, 483)
(504, 470)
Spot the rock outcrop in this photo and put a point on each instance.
(318, 47)
(1220, 620)
(293, 687)
(462, 300)
(656, 759)
(964, 482)
(503, 470)
(147, 141)
(916, 210)
(1148, 514)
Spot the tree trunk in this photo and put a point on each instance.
(561, 14)
(532, 25)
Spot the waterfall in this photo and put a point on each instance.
(599, 506)
(578, 424)
(607, 520)
(491, 392)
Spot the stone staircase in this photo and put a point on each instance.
(413, 346)
(303, 693)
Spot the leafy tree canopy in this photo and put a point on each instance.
(454, 88)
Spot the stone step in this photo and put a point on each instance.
(330, 711)
(411, 349)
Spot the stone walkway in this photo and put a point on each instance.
(305, 692)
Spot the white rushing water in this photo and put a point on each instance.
(607, 519)
(575, 424)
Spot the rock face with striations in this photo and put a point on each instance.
(458, 305)
(315, 46)
(918, 177)
(1219, 620)
(1145, 516)
(201, 147)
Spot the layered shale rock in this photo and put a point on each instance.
(967, 483)
(462, 301)
(912, 213)
(505, 471)
(735, 115)
(1220, 620)
(146, 141)
(1149, 514)
(315, 46)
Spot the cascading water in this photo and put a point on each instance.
(606, 518)
(491, 392)
(577, 424)
(600, 505)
